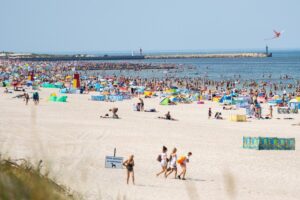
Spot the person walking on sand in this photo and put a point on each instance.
(173, 165)
(209, 113)
(36, 98)
(26, 98)
(129, 164)
(183, 160)
(163, 159)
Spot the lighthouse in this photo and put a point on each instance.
(267, 52)
(141, 51)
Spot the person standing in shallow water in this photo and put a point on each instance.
(129, 164)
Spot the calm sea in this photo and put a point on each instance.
(283, 63)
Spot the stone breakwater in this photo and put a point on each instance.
(83, 57)
(229, 55)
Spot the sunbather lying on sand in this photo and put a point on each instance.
(288, 118)
(19, 96)
(267, 117)
(150, 110)
(168, 117)
(228, 108)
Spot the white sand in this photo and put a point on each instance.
(74, 141)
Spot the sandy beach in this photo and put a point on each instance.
(73, 141)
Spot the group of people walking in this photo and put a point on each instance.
(168, 164)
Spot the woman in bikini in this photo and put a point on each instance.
(129, 164)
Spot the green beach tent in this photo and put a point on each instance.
(165, 101)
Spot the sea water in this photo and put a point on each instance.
(271, 69)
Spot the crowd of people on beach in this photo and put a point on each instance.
(17, 72)
(20, 75)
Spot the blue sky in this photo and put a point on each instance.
(125, 25)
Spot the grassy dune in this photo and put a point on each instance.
(21, 180)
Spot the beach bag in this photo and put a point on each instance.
(181, 160)
(159, 158)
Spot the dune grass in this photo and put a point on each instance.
(21, 180)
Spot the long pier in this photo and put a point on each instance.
(225, 55)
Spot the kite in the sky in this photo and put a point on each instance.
(277, 34)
